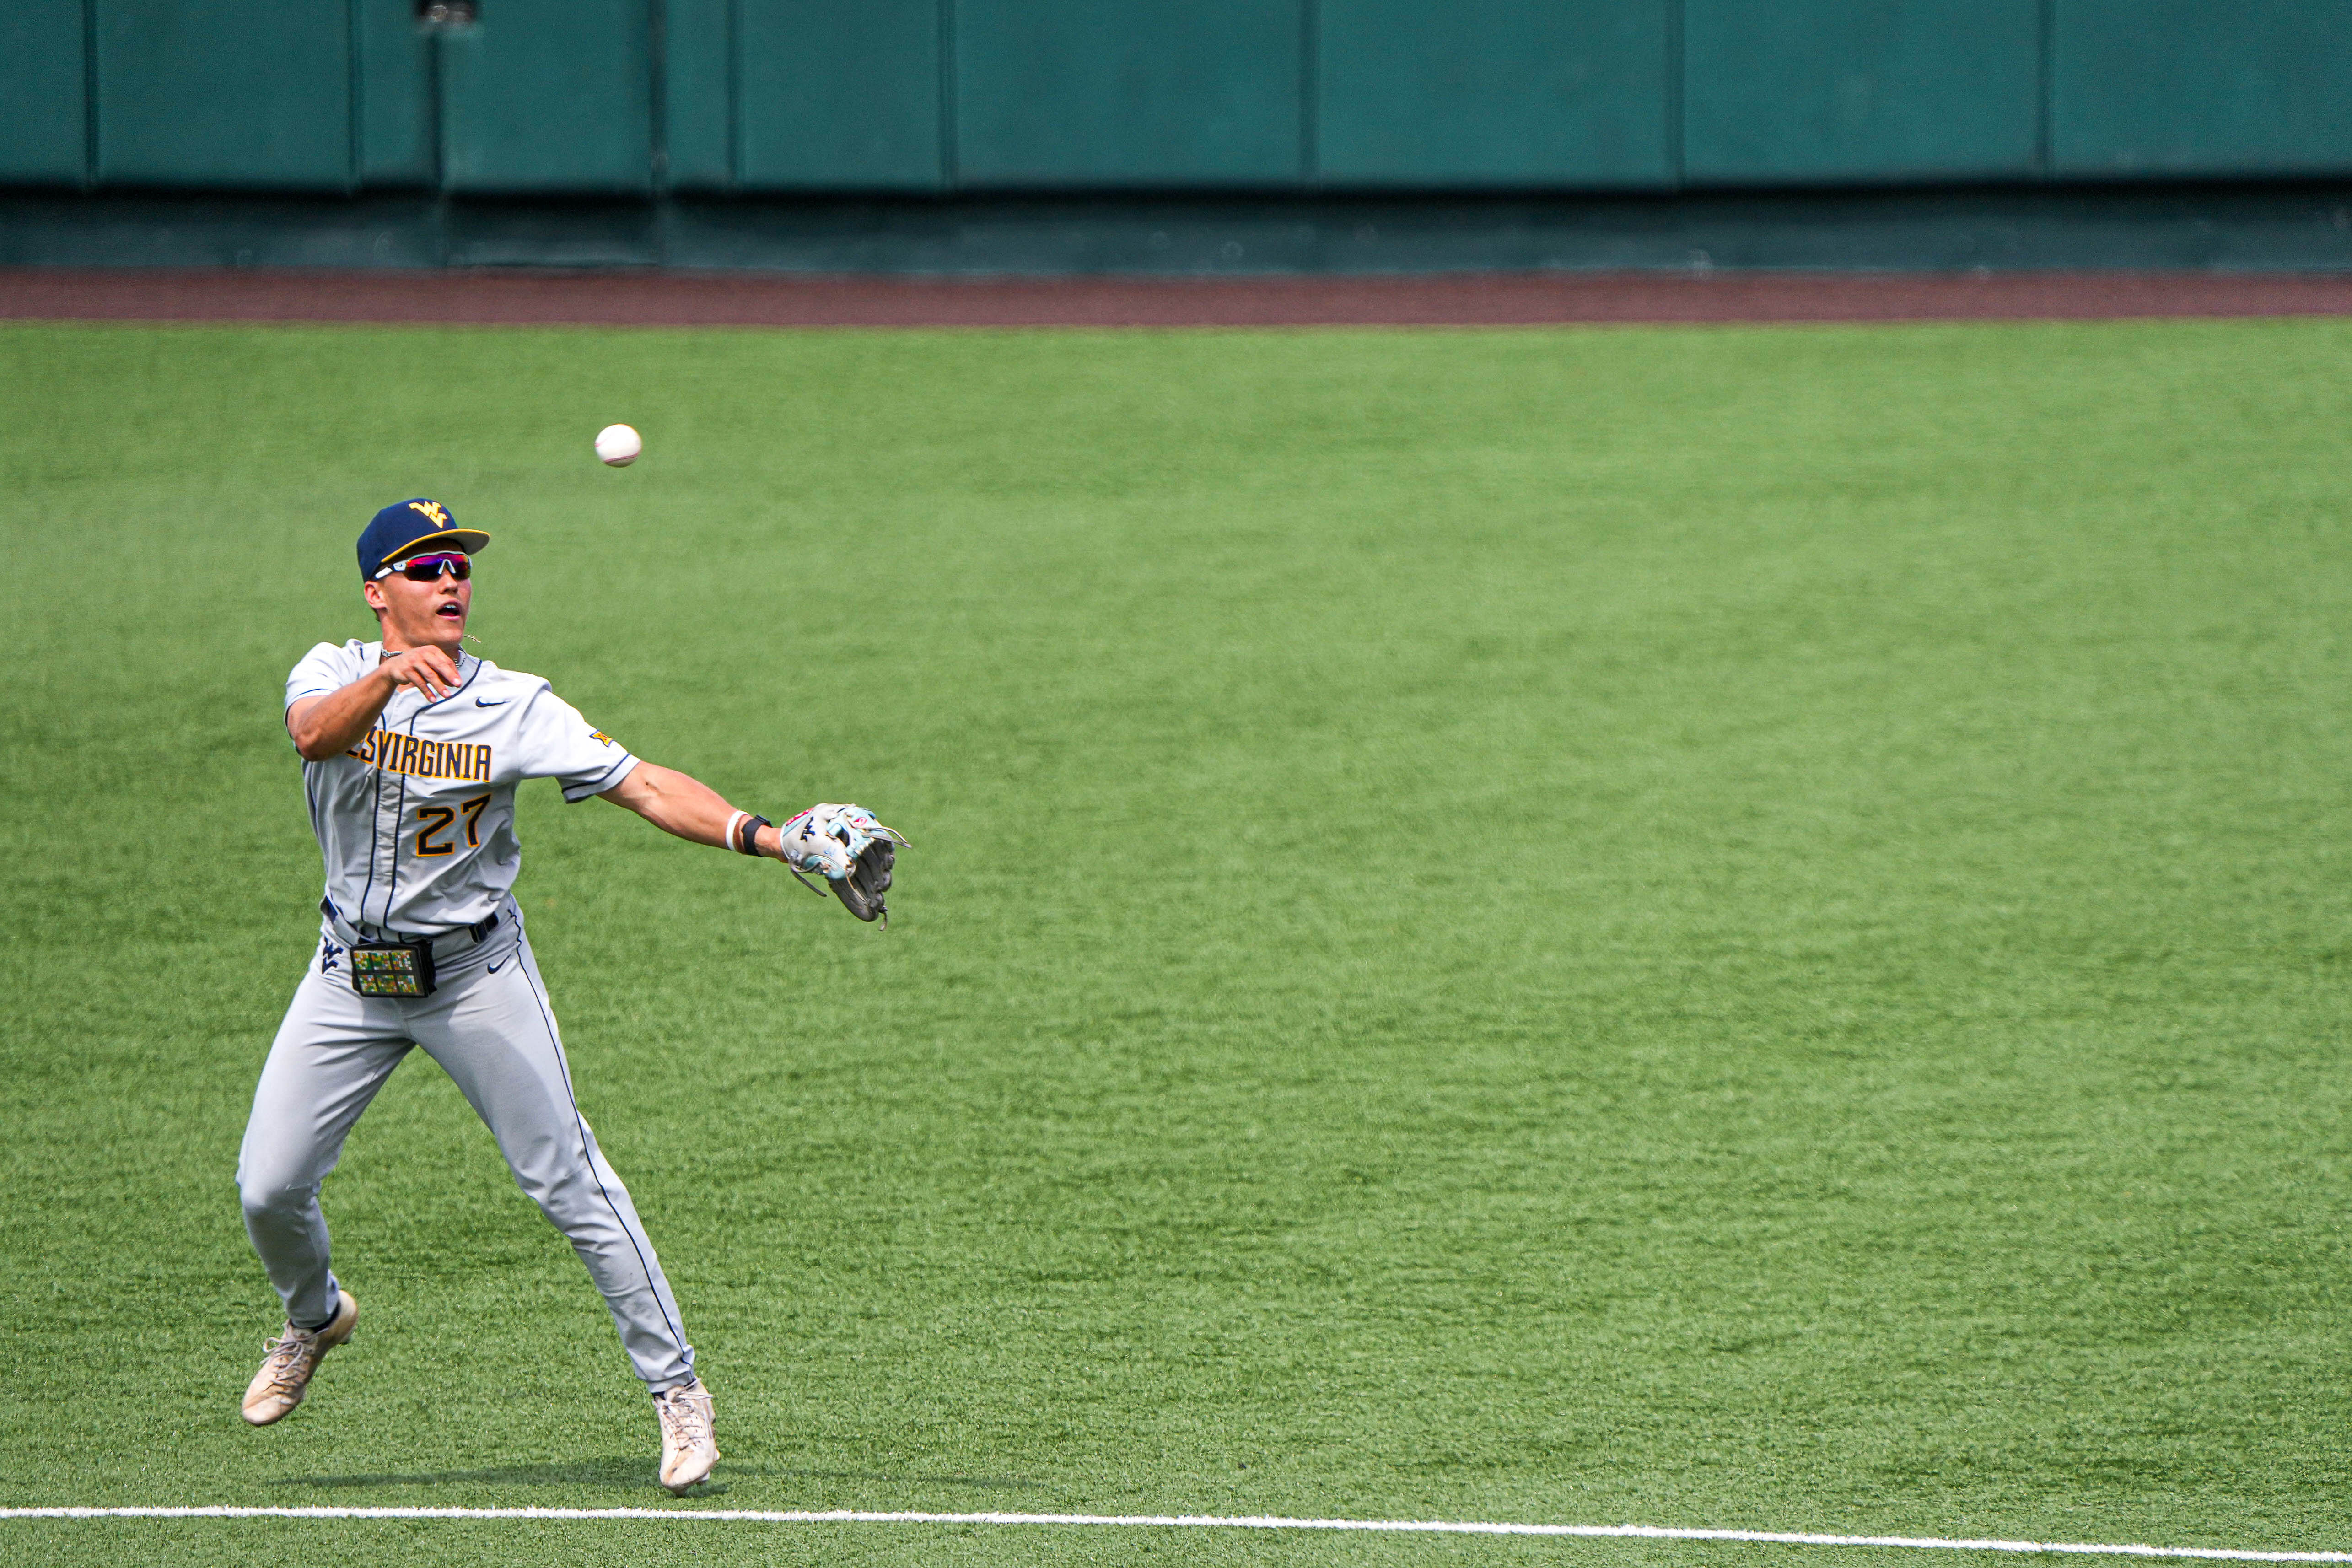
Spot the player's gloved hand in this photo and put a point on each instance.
(810, 842)
(847, 848)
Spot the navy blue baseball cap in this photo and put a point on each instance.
(407, 528)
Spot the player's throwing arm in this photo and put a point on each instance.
(412, 752)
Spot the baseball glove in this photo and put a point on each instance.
(850, 850)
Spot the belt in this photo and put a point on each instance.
(479, 930)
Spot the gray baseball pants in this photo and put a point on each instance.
(490, 1026)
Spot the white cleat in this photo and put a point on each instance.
(288, 1362)
(688, 1451)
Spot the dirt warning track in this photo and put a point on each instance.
(1488, 299)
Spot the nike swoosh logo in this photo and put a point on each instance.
(494, 968)
(485, 703)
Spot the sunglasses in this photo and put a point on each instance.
(428, 568)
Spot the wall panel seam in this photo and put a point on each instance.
(440, 122)
(352, 162)
(734, 65)
(1310, 99)
(2046, 98)
(657, 92)
(89, 94)
(1676, 95)
(950, 131)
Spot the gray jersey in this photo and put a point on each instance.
(416, 821)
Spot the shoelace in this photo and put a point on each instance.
(287, 1351)
(686, 1416)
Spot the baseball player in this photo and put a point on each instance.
(412, 749)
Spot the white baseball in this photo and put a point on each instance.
(618, 444)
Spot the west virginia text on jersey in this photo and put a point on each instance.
(398, 753)
(393, 861)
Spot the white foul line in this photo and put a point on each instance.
(1184, 1521)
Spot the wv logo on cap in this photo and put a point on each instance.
(392, 533)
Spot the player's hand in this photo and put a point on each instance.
(429, 670)
(853, 852)
(815, 841)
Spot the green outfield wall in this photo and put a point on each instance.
(825, 113)
(637, 96)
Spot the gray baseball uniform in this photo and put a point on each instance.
(416, 827)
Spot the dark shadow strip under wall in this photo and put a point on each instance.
(2235, 228)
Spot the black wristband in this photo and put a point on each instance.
(750, 834)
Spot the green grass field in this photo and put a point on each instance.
(1701, 926)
